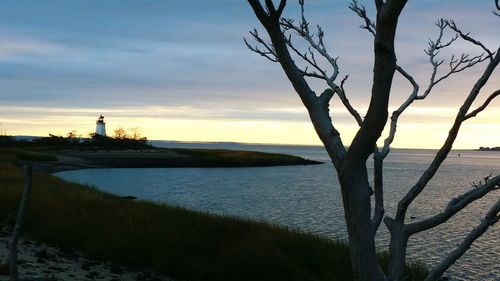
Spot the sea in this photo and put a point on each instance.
(308, 197)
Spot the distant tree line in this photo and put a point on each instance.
(482, 148)
(122, 139)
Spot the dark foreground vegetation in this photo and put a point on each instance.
(180, 157)
(63, 153)
(73, 142)
(182, 243)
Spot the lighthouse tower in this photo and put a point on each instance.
(100, 128)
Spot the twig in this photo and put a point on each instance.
(360, 10)
(268, 53)
(466, 37)
(316, 42)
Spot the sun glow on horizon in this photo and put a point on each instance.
(420, 128)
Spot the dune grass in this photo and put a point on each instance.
(182, 243)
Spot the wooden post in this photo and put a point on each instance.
(19, 222)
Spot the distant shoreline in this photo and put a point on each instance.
(236, 143)
(497, 148)
(162, 158)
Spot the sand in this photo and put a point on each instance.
(38, 261)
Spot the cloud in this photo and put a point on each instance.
(167, 60)
(13, 48)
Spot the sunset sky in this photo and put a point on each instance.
(179, 70)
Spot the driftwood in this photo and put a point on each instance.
(19, 222)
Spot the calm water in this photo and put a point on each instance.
(308, 197)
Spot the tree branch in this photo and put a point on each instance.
(272, 10)
(395, 115)
(489, 220)
(379, 191)
(445, 149)
(281, 7)
(259, 11)
(383, 73)
(360, 10)
(456, 205)
(317, 106)
(379, 4)
(309, 58)
(456, 65)
(303, 31)
(466, 37)
(483, 106)
(269, 53)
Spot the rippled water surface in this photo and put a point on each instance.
(308, 197)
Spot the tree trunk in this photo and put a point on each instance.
(397, 250)
(357, 210)
(351, 166)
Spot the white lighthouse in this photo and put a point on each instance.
(100, 128)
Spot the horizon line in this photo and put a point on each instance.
(252, 143)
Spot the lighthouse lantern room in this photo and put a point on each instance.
(100, 128)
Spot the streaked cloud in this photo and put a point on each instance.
(163, 61)
(11, 48)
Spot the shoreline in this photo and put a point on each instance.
(67, 160)
(194, 245)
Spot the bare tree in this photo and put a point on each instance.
(363, 219)
(135, 133)
(120, 133)
(3, 132)
(73, 134)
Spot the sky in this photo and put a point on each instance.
(179, 70)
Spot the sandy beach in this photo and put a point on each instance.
(39, 261)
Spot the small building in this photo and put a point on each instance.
(100, 128)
